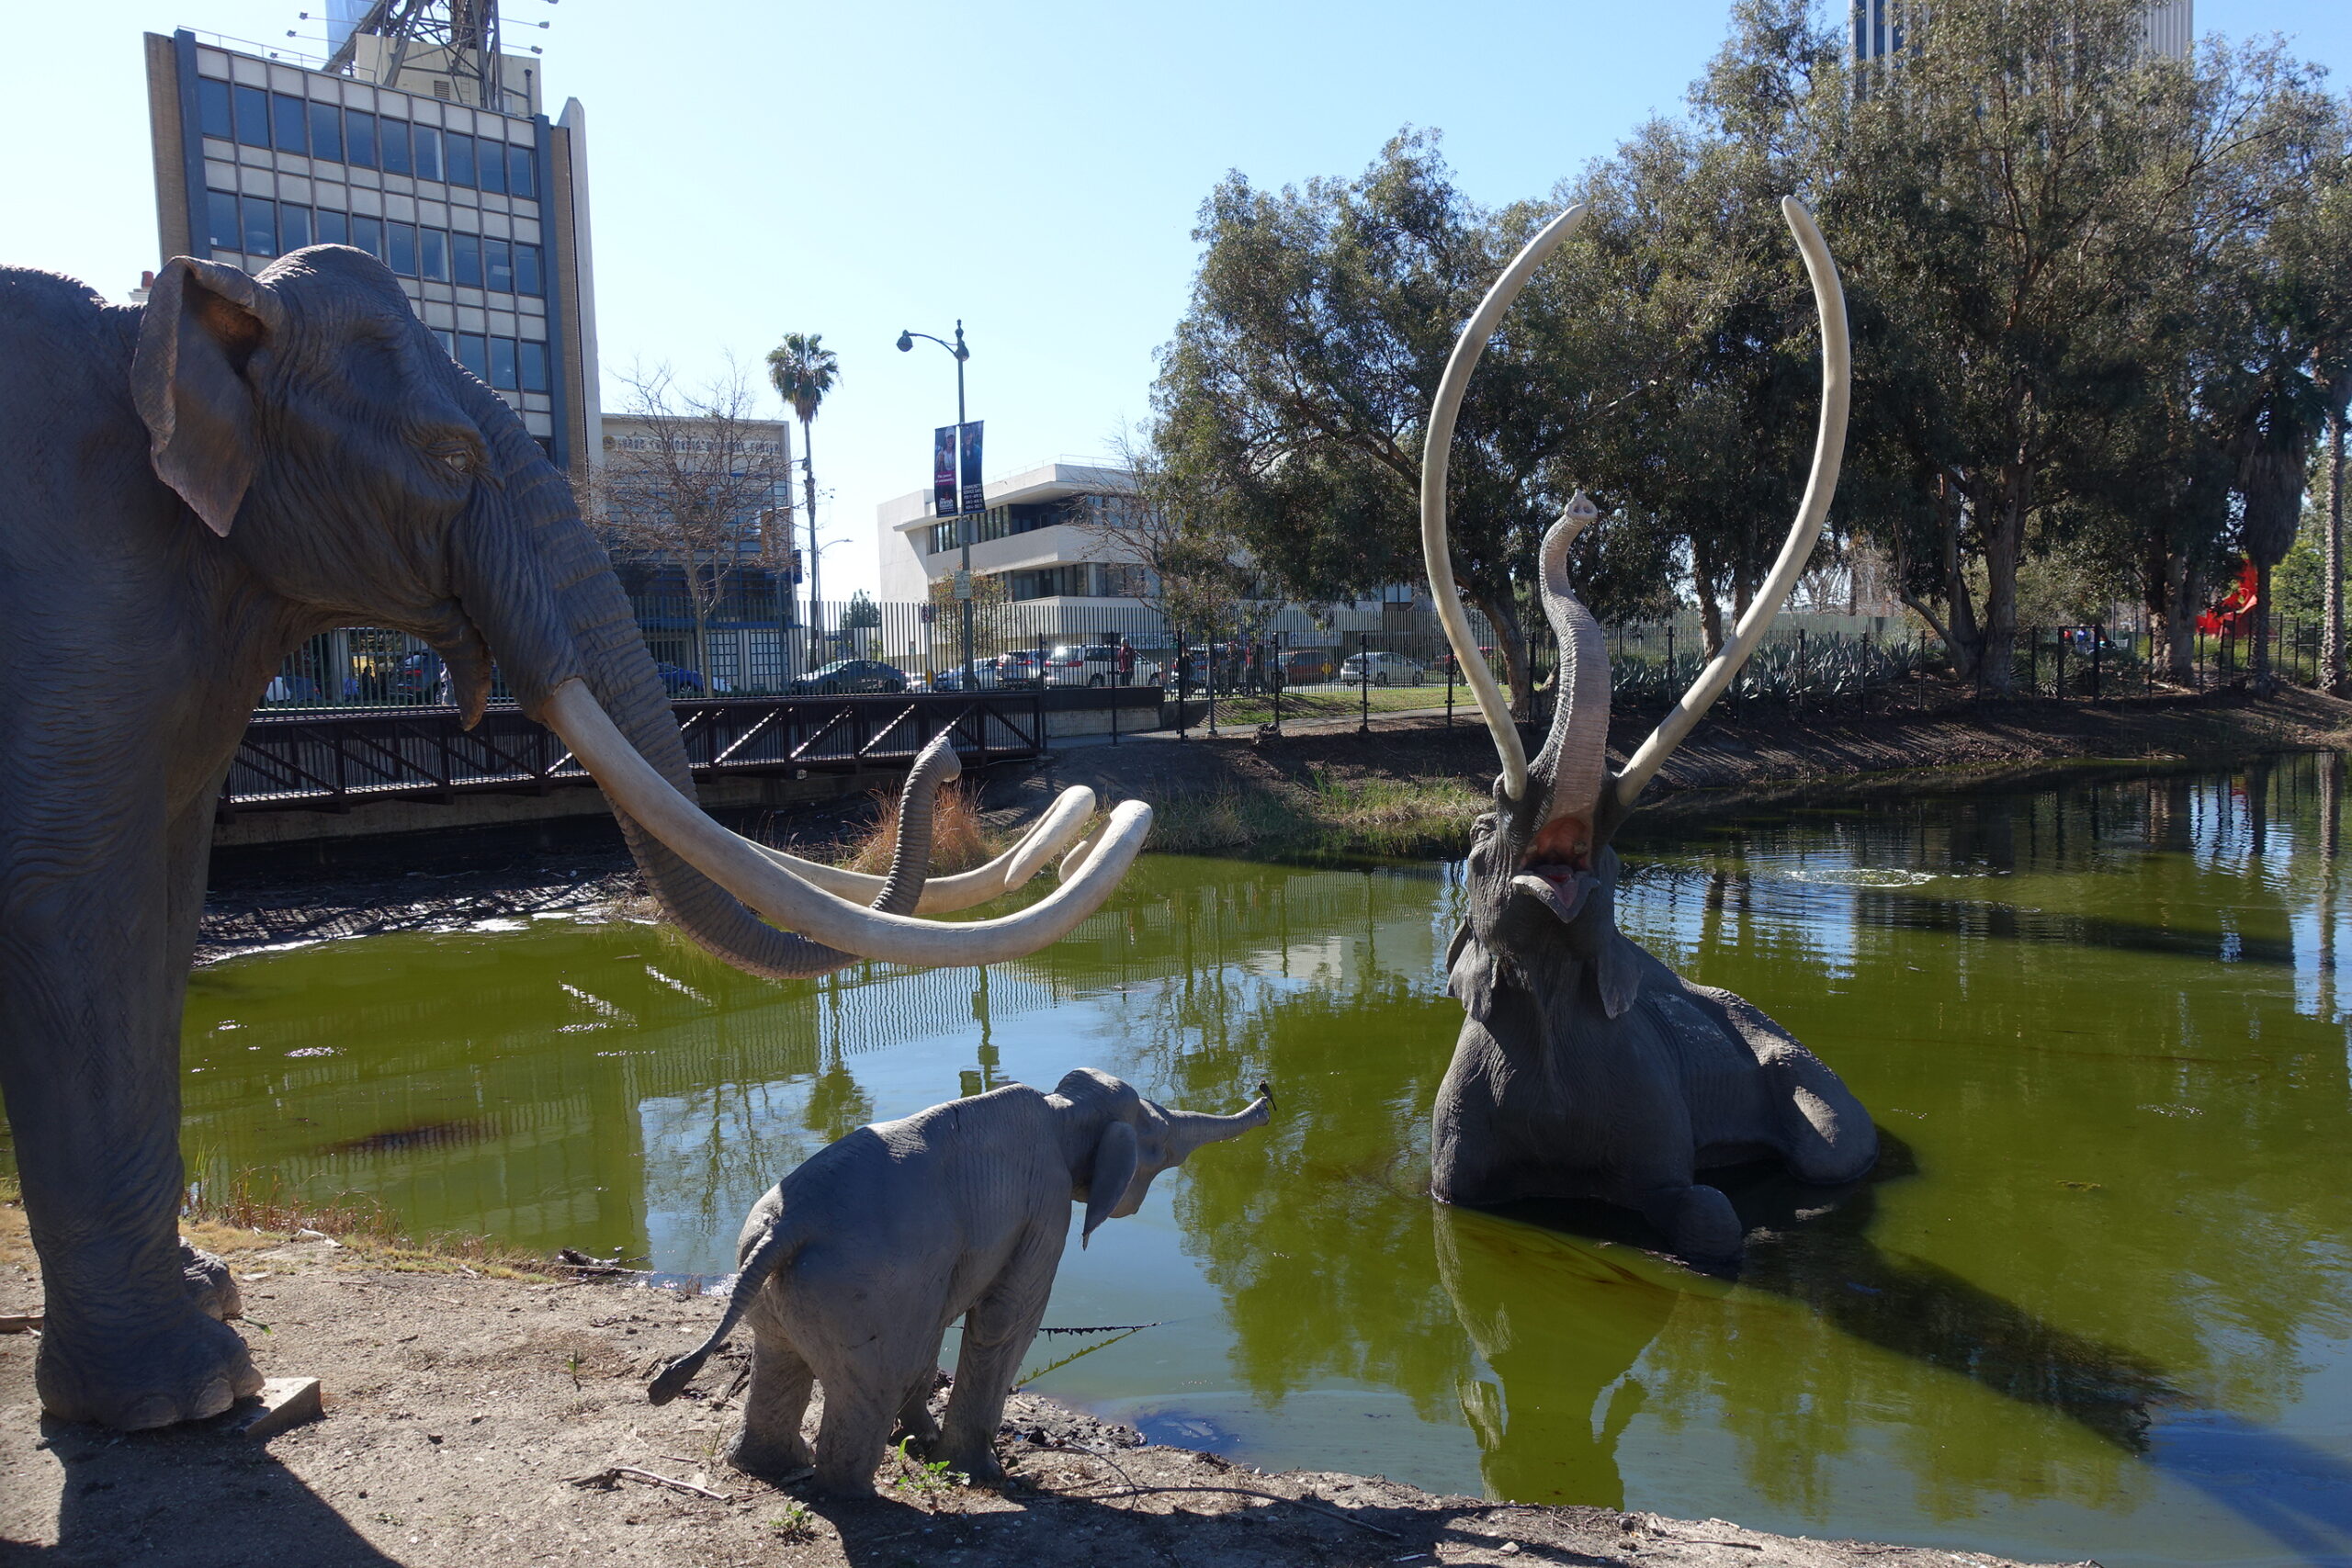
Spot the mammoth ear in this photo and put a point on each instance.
(204, 323)
(1114, 1167)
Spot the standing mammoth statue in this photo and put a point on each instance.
(1586, 1068)
(191, 491)
(852, 1266)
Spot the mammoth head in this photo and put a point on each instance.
(1542, 874)
(1126, 1140)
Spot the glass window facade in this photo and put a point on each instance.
(212, 108)
(502, 365)
(400, 254)
(528, 279)
(335, 228)
(522, 172)
(465, 255)
(534, 361)
(221, 230)
(293, 226)
(368, 233)
(260, 227)
(433, 254)
(473, 353)
(288, 125)
(497, 266)
(427, 140)
(458, 157)
(253, 117)
(326, 131)
(392, 136)
(358, 139)
(489, 165)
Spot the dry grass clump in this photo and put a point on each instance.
(959, 839)
(246, 1210)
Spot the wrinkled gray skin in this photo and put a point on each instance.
(854, 1266)
(1586, 1068)
(369, 480)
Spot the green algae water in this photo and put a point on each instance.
(2095, 1302)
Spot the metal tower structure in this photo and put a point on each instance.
(459, 36)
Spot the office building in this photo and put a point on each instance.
(423, 146)
(1042, 535)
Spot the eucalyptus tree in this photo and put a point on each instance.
(1299, 378)
(2008, 192)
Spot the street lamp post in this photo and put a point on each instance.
(963, 527)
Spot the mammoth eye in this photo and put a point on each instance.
(460, 457)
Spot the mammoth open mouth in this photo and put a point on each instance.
(1559, 889)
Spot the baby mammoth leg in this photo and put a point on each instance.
(997, 1333)
(866, 1385)
(914, 1417)
(770, 1443)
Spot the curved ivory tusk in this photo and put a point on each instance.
(782, 896)
(1828, 452)
(1435, 451)
(1047, 836)
(1075, 863)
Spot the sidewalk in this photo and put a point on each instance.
(1228, 731)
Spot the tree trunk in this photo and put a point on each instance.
(1705, 575)
(1963, 638)
(2331, 643)
(2260, 678)
(2183, 588)
(1519, 675)
(2003, 545)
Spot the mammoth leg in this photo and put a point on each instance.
(914, 1417)
(1823, 1132)
(770, 1443)
(1465, 1143)
(997, 1334)
(90, 999)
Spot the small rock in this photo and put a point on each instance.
(285, 1403)
(1508, 1547)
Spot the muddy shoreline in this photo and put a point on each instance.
(473, 1420)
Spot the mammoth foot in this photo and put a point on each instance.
(210, 1287)
(774, 1459)
(186, 1369)
(1699, 1224)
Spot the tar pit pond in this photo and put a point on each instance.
(2096, 1301)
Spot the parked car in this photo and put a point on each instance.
(980, 676)
(679, 680)
(847, 676)
(1018, 668)
(1381, 670)
(1093, 664)
(420, 678)
(291, 689)
(1308, 666)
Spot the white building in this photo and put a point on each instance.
(1040, 535)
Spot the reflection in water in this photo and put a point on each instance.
(2102, 1305)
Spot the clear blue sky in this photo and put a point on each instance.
(850, 169)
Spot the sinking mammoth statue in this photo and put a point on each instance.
(1586, 1068)
(187, 492)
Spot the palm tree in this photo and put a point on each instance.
(804, 370)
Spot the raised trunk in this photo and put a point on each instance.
(1511, 643)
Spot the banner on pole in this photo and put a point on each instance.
(943, 472)
(975, 492)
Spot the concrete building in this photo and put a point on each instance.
(2170, 27)
(437, 160)
(1042, 535)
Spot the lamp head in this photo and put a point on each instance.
(906, 343)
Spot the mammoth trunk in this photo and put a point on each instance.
(1574, 761)
(544, 592)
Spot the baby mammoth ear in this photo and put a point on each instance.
(204, 323)
(1114, 1167)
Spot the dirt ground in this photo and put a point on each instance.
(468, 1419)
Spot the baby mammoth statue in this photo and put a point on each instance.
(853, 1265)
